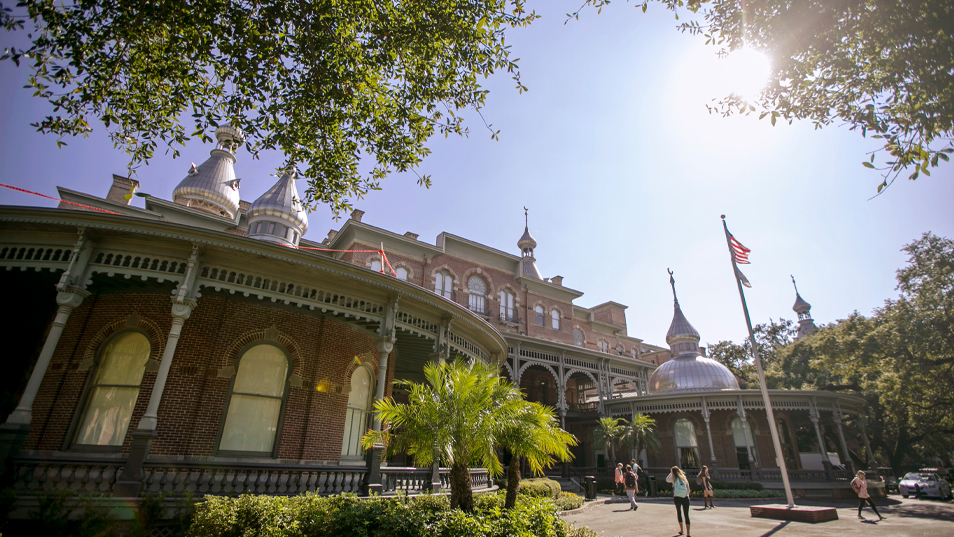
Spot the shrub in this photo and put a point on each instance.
(540, 487)
(347, 516)
(567, 500)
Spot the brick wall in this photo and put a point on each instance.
(194, 400)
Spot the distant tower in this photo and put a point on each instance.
(805, 323)
(526, 244)
(278, 215)
(212, 186)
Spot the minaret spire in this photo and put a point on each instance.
(803, 309)
(526, 244)
(672, 282)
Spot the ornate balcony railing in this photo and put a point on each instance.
(97, 475)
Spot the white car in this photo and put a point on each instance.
(924, 484)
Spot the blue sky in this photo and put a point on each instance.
(623, 169)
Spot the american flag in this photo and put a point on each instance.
(739, 253)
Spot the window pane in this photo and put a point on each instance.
(271, 228)
(738, 436)
(376, 265)
(251, 423)
(685, 433)
(401, 273)
(124, 360)
(555, 318)
(262, 370)
(107, 416)
(360, 389)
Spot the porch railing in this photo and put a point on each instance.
(35, 474)
(732, 474)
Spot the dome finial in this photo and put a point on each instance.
(672, 282)
(795, 284)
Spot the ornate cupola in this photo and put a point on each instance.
(804, 311)
(278, 215)
(212, 186)
(688, 370)
(528, 264)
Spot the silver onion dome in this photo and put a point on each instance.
(212, 186)
(278, 215)
(800, 304)
(526, 241)
(688, 370)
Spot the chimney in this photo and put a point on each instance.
(331, 235)
(557, 280)
(122, 186)
(356, 215)
(412, 236)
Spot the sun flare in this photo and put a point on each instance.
(745, 72)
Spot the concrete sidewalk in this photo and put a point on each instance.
(730, 518)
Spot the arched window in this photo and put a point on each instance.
(539, 315)
(603, 345)
(113, 393)
(376, 265)
(444, 284)
(635, 354)
(739, 437)
(577, 337)
(687, 448)
(359, 411)
(401, 273)
(255, 403)
(506, 306)
(478, 293)
(555, 319)
(619, 350)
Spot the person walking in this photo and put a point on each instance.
(860, 485)
(706, 482)
(619, 479)
(629, 480)
(680, 495)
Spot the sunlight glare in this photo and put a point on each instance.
(746, 72)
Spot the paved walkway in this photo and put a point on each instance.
(730, 518)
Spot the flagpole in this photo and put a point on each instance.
(758, 365)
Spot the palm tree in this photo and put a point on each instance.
(456, 416)
(609, 432)
(642, 434)
(534, 435)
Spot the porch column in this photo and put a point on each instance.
(372, 483)
(814, 415)
(748, 448)
(129, 485)
(872, 462)
(67, 300)
(836, 417)
(385, 346)
(713, 463)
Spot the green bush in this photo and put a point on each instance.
(567, 500)
(539, 487)
(348, 516)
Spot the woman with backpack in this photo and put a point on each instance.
(705, 481)
(860, 485)
(680, 495)
(629, 480)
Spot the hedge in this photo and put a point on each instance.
(348, 516)
(539, 487)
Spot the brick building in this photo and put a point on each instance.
(203, 345)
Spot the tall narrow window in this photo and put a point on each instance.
(577, 337)
(506, 306)
(635, 353)
(619, 350)
(115, 389)
(739, 437)
(444, 284)
(258, 391)
(376, 265)
(603, 345)
(555, 319)
(687, 447)
(401, 273)
(356, 418)
(478, 292)
(539, 314)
